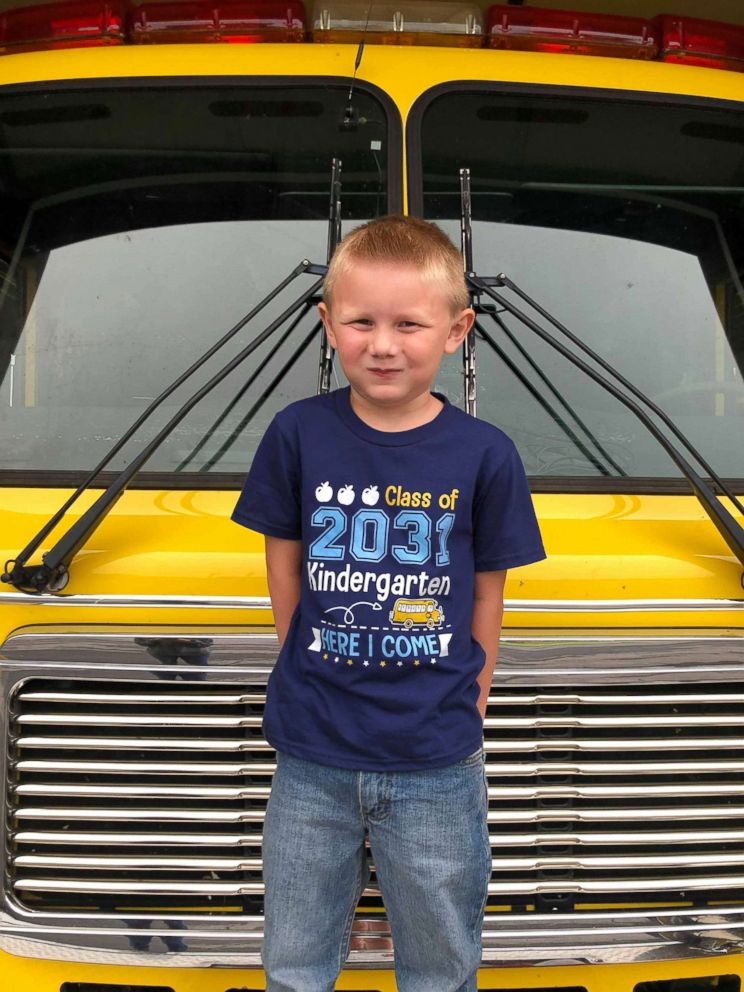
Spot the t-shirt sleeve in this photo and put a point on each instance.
(505, 529)
(270, 500)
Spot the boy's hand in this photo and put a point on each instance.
(283, 571)
(488, 608)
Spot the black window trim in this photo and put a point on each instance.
(414, 177)
(54, 478)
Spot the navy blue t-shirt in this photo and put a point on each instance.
(378, 670)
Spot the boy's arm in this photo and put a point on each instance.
(283, 572)
(488, 608)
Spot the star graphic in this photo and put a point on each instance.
(417, 662)
(325, 656)
(382, 664)
(365, 663)
(336, 659)
(349, 661)
(433, 661)
(400, 664)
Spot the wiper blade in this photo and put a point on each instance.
(468, 353)
(52, 574)
(539, 397)
(729, 528)
(15, 573)
(504, 280)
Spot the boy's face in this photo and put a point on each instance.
(391, 327)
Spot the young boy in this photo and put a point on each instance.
(390, 518)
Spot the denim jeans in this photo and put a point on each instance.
(429, 843)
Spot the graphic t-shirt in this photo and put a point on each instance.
(378, 670)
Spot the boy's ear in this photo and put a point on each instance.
(325, 316)
(461, 324)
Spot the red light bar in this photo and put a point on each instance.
(241, 21)
(535, 29)
(62, 25)
(691, 41)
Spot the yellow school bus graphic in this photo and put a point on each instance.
(417, 612)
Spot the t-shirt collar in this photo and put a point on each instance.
(390, 438)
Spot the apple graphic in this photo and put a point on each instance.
(346, 495)
(370, 496)
(323, 492)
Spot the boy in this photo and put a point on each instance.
(390, 520)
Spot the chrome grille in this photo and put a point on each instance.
(138, 796)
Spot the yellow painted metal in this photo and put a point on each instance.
(404, 73)
(26, 975)
(601, 546)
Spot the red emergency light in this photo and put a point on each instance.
(63, 25)
(535, 29)
(237, 21)
(690, 41)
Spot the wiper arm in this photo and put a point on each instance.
(325, 365)
(52, 574)
(468, 352)
(729, 528)
(13, 574)
(538, 397)
(265, 394)
(209, 434)
(326, 352)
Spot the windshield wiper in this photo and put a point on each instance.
(52, 574)
(728, 527)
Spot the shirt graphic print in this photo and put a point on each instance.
(378, 670)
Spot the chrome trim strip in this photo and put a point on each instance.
(150, 864)
(157, 791)
(513, 769)
(490, 747)
(589, 887)
(131, 698)
(158, 768)
(145, 815)
(641, 815)
(130, 888)
(188, 840)
(701, 720)
(264, 603)
(140, 720)
(596, 839)
(494, 792)
(548, 863)
(177, 744)
(600, 938)
(507, 889)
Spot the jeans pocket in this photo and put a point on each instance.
(472, 759)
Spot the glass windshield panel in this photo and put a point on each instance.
(625, 220)
(137, 225)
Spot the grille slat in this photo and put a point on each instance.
(674, 837)
(511, 888)
(148, 699)
(491, 746)
(84, 840)
(141, 744)
(140, 720)
(154, 800)
(521, 769)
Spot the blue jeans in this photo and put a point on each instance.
(429, 842)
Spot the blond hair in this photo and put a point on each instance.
(406, 240)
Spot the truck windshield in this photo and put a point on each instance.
(138, 224)
(624, 218)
